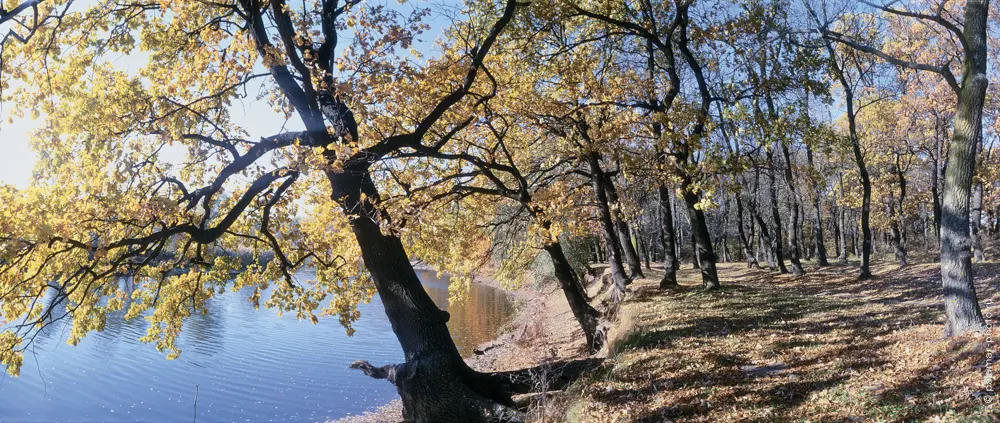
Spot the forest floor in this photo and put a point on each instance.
(823, 347)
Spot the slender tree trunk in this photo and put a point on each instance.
(896, 238)
(678, 242)
(961, 304)
(667, 240)
(836, 228)
(702, 239)
(996, 221)
(744, 241)
(585, 314)
(622, 227)
(866, 206)
(776, 241)
(936, 177)
(643, 249)
(765, 234)
(898, 226)
(611, 238)
(842, 257)
(821, 258)
(794, 201)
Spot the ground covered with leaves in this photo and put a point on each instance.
(823, 347)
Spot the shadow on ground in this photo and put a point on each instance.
(773, 348)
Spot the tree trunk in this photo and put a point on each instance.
(744, 241)
(694, 248)
(765, 234)
(622, 227)
(936, 178)
(898, 226)
(961, 305)
(434, 382)
(842, 219)
(725, 230)
(866, 201)
(776, 241)
(669, 279)
(821, 258)
(611, 238)
(587, 316)
(794, 201)
(896, 238)
(976, 222)
(642, 245)
(702, 239)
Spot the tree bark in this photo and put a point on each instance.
(669, 279)
(744, 241)
(859, 160)
(961, 304)
(585, 314)
(611, 238)
(821, 258)
(898, 226)
(842, 219)
(702, 239)
(936, 177)
(794, 201)
(765, 234)
(776, 240)
(695, 263)
(643, 246)
(976, 223)
(622, 227)
(434, 382)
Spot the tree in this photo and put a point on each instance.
(107, 204)
(961, 304)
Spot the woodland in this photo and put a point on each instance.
(618, 142)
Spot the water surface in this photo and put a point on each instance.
(247, 365)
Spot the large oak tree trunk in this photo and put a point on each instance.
(434, 382)
(961, 305)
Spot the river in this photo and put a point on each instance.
(245, 364)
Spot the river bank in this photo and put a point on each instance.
(542, 330)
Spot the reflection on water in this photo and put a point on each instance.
(247, 365)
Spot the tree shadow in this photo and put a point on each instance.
(826, 331)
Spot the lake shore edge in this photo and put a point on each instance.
(542, 329)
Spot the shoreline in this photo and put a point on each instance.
(542, 329)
